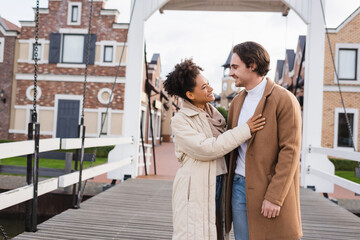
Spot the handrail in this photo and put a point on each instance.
(71, 178)
(75, 143)
(330, 177)
(21, 148)
(354, 156)
(22, 194)
(342, 182)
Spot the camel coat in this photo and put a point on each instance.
(193, 198)
(272, 165)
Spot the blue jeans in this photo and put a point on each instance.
(240, 222)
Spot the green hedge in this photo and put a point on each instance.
(223, 112)
(344, 165)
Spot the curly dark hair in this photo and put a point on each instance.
(253, 53)
(182, 79)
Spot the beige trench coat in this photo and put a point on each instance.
(193, 199)
(272, 165)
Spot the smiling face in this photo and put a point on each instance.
(243, 75)
(202, 93)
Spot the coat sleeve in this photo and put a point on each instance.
(198, 146)
(289, 132)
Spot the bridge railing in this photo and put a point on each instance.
(15, 149)
(342, 155)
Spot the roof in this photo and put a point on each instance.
(155, 58)
(290, 55)
(279, 67)
(302, 41)
(227, 63)
(8, 26)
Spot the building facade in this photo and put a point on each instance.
(62, 51)
(8, 36)
(340, 86)
(345, 43)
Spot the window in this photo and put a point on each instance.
(104, 119)
(2, 43)
(74, 13)
(38, 52)
(153, 125)
(347, 64)
(158, 126)
(342, 137)
(143, 117)
(108, 53)
(157, 82)
(73, 49)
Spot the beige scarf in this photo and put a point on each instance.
(216, 120)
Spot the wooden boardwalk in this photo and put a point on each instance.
(141, 209)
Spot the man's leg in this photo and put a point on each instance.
(239, 214)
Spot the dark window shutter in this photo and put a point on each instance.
(92, 48)
(54, 52)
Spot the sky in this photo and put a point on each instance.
(207, 37)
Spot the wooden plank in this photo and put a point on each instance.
(141, 209)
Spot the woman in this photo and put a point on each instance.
(200, 146)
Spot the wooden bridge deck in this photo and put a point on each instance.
(141, 209)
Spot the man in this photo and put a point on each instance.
(262, 197)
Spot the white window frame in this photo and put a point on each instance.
(2, 47)
(114, 44)
(69, 16)
(355, 127)
(112, 54)
(62, 50)
(349, 46)
(158, 125)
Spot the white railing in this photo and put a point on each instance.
(342, 182)
(148, 155)
(22, 194)
(15, 149)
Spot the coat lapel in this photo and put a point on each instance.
(238, 105)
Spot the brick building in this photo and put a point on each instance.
(8, 35)
(63, 28)
(228, 89)
(162, 106)
(345, 44)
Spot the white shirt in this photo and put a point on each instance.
(251, 101)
